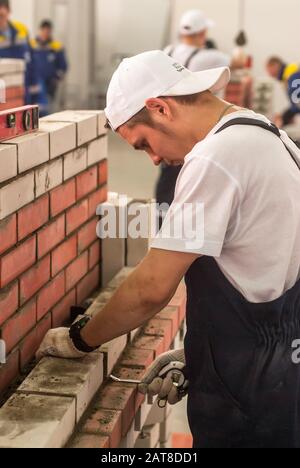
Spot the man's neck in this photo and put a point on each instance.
(192, 43)
(206, 116)
(4, 26)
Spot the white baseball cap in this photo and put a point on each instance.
(155, 74)
(194, 21)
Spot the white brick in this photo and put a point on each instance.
(48, 177)
(33, 150)
(16, 195)
(14, 80)
(79, 379)
(8, 162)
(112, 352)
(62, 137)
(97, 151)
(165, 430)
(148, 438)
(8, 66)
(157, 415)
(142, 415)
(75, 162)
(101, 119)
(36, 421)
(87, 124)
(137, 249)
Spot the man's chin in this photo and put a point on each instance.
(174, 163)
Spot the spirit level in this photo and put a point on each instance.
(19, 121)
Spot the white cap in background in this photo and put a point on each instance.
(153, 74)
(193, 22)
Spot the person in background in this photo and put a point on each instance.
(51, 61)
(289, 74)
(14, 44)
(194, 50)
(197, 53)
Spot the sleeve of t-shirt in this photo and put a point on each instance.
(204, 212)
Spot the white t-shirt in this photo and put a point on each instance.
(205, 59)
(249, 186)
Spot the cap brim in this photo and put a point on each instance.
(213, 80)
(209, 24)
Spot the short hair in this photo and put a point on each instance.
(46, 24)
(275, 61)
(143, 117)
(5, 3)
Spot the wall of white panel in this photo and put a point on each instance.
(23, 10)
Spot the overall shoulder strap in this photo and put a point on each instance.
(171, 52)
(190, 58)
(259, 123)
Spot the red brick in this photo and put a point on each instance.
(63, 255)
(94, 255)
(9, 371)
(33, 216)
(172, 314)
(96, 199)
(19, 325)
(18, 261)
(52, 235)
(50, 295)
(61, 312)
(153, 343)
(107, 423)
(160, 328)
(77, 216)
(34, 279)
(132, 374)
(32, 341)
(15, 92)
(8, 233)
(84, 441)
(76, 271)
(119, 398)
(103, 172)
(9, 298)
(87, 235)
(63, 197)
(137, 358)
(88, 285)
(86, 182)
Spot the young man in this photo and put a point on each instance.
(14, 44)
(290, 76)
(51, 62)
(242, 265)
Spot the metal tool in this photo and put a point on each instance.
(177, 376)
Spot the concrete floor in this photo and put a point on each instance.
(132, 173)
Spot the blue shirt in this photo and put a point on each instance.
(14, 44)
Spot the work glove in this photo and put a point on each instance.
(57, 343)
(154, 385)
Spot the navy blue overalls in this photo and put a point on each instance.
(244, 387)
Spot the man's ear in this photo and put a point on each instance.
(158, 107)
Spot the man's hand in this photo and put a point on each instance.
(153, 385)
(57, 343)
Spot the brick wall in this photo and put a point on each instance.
(51, 183)
(12, 76)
